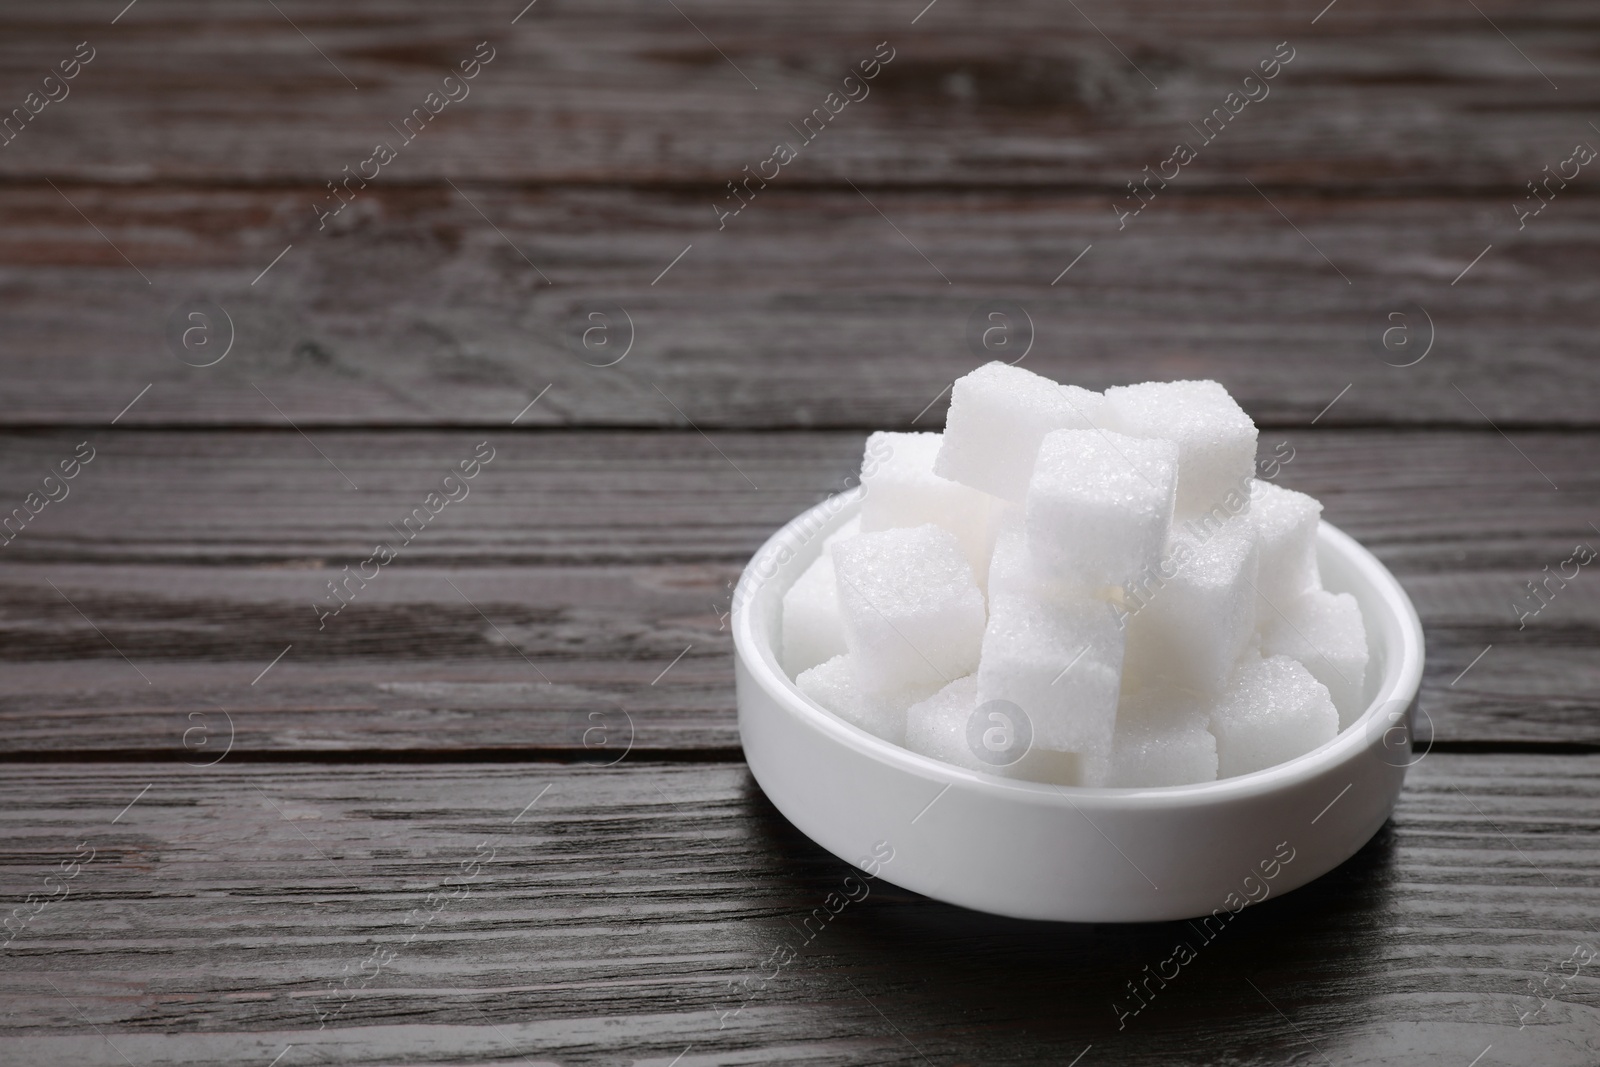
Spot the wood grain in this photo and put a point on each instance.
(809, 311)
(581, 565)
(219, 911)
(1430, 95)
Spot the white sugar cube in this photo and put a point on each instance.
(1325, 633)
(1189, 618)
(899, 489)
(1161, 739)
(1011, 569)
(1286, 528)
(1099, 505)
(998, 416)
(1014, 568)
(913, 615)
(1060, 662)
(937, 727)
(1216, 439)
(851, 527)
(1027, 603)
(836, 685)
(940, 728)
(813, 629)
(1272, 711)
(1044, 765)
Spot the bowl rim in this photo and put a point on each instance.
(1403, 660)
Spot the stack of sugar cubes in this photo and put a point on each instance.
(1105, 563)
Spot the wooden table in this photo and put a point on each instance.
(494, 810)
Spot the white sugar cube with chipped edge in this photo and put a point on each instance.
(836, 686)
(1190, 617)
(937, 728)
(1161, 739)
(998, 416)
(899, 489)
(1099, 506)
(813, 629)
(1216, 440)
(912, 613)
(1324, 632)
(1060, 662)
(1286, 529)
(1272, 711)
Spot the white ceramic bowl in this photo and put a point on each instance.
(1085, 855)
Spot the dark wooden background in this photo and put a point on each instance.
(544, 675)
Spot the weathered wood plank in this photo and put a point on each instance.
(623, 907)
(600, 558)
(808, 311)
(633, 91)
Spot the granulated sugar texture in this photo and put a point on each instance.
(1102, 570)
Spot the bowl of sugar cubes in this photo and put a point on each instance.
(1072, 659)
